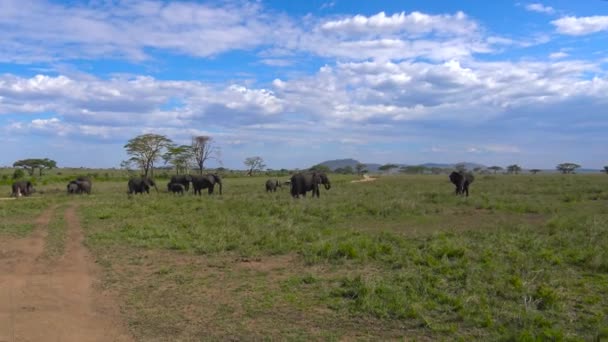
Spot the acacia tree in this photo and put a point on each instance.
(179, 157)
(147, 148)
(535, 171)
(606, 169)
(360, 169)
(513, 169)
(388, 167)
(203, 149)
(567, 167)
(495, 168)
(35, 163)
(254, 164)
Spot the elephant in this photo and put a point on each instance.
(461, 180)
(183, 180)
(207, 181)
(80, 185)
(84, 185)
(140, 185)
(304, 182)
(175, 188)
(272, 185)
(22, 188)
(73, 188)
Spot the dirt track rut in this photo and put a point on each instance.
(54, 300)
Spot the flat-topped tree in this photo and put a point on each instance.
(513, 169)
(146, 149)
(180, 157)
(606, 169)
(35, 163)
(535, 171)
(388, 167)
(566, 168)
(495, 168)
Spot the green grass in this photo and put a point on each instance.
(17, 216)
(523, 258)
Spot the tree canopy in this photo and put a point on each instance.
(388, 167)
(146, 149)
(254, 164)
(513, 169)
(35, 163)
(180, 157)
(567, 167)
(495, 168)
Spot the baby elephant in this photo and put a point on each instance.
(272, 185)
(175, 188)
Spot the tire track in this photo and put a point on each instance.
(58, 301)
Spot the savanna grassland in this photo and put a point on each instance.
(523, 258)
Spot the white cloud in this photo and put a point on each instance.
(413, 23)
(540, 8)
(558, 55)
(579, 26)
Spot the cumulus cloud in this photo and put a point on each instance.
(540, 8)
(580, 26)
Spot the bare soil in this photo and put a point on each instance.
(54, 300)
(366, 178)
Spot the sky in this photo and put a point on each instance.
(299, 82)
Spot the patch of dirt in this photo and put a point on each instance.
(54, 300)
(366, 178)
(266, 264)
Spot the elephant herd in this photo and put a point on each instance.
(300, 184)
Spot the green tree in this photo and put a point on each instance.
(146, 149)
(180, 157)
(495, 168)
(254, 164)
(35, 163)
(412, 169)
(388, 167)
(606, 169)
(513, 169)
(320, 168)
(360, 169)
(567, 167)
(535, 171)
(347, 170)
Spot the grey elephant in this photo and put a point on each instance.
(207, 181)
(175, 188)
(140, 185)
(461, 180)
(272, 185)
(22, 188)
(72, 188)
(183, 180)
(307, 181)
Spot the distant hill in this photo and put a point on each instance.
(373, 167)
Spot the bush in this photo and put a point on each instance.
(18, 174)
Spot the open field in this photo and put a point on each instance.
(523, 258)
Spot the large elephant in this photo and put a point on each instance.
(462, 180)
(140, 185)
(207, 181)
(22, 188)
(183, 180)
(304, 182)
(175, 188)
(272, 185)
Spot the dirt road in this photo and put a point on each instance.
(54, 299)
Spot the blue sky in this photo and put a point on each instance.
(299, 82)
